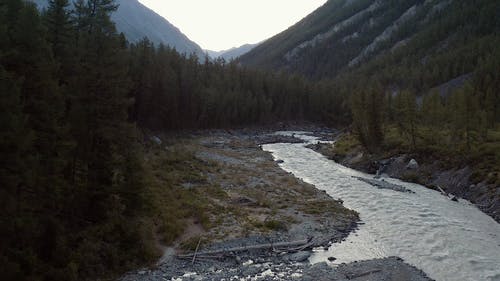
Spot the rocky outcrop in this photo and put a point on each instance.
(412, 165)
(384, 35)
(332, 31)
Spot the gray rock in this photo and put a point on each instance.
(299, 256)
(382, 184)
(156, 140)
(412, 165)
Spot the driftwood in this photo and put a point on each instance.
(442, 191)
(451, 197)
(293, 246)
(357, 275)
(196, 251)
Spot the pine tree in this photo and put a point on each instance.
(59, 28)
(432, 116)
(375, 117)
(407, 116)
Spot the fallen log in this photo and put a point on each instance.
(450, 196)
(357, 275)
(196, 251)
(279, 247)
(442, 191)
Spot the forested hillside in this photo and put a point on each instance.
(420, 76)
(378, 53)
(346, 35)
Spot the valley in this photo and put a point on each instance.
(391, 223)
(361, 143)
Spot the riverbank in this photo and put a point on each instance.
(248, 200)
(454, 175)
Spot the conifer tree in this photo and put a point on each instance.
(59, 28)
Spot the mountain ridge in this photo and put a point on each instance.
(232, 53)
(360, 37)
(137, 21)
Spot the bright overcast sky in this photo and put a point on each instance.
(222, 24)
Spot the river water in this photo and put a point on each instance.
(450, 241)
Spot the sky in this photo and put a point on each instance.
(222, 24)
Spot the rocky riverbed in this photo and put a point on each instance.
(256, 203)
(388, 269)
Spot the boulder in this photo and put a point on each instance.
(299, 256)
(156, 140)
(412, 165)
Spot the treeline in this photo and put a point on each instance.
(437, 92)
(459, 121)
(172, 91)
(75, 198)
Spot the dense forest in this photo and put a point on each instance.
(172, 91)
(75, 98)
(71, 174)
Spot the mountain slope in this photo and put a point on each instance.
(137, 21)
(376, 56)
(364, 36)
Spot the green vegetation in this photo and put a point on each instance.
(438, 41)
(72, 179)
(346, 144)
(83, 196)
(430, 87)
(172, 204)
(442, 147)
(177, 92)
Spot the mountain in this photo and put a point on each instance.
(416, 44)
(137, 21)
(232, 53)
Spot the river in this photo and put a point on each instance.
(450, 241)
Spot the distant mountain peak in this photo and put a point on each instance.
(232, 53)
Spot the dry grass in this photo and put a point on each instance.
(250, 195)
